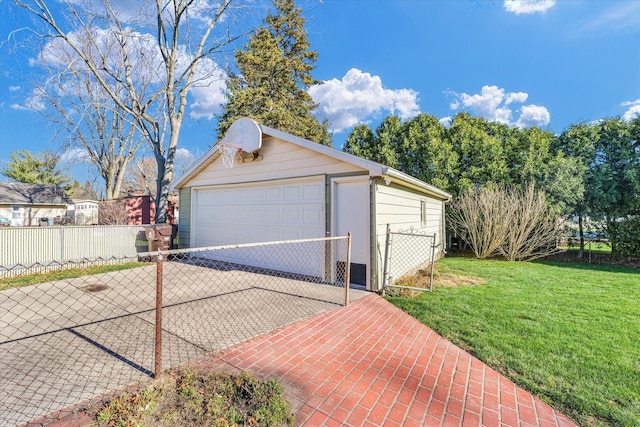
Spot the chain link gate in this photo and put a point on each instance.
(409, 260)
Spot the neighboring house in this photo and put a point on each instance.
(32, 204)
(284, 187)
(85, 212)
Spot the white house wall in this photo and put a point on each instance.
(30, 215)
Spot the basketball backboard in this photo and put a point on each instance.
(246, 134)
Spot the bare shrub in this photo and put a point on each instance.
(481, 219)
(112, 212)
(515, 223)
(534, 230)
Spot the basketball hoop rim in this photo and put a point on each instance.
(230, 145)
(228, 152)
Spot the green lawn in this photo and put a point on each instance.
(34, 279)
(569, 333)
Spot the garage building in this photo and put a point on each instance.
(282, 187)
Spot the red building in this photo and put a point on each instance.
(142, 210)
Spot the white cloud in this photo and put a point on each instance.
(487, 104)
(358, 96)
(184, 154)
(528, 6)
(518, 97)
(533, 115)
(619, 16)
(494, 104)
(14, 88)
(633, 111)
(208, 92)
(33, 103)
(75, 155)
(446, 121)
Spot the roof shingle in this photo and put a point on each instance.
(32, 194)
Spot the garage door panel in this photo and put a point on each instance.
(291, 193)
(292, 215)
(262, 212)
(274, 194)
(313, 192)
(256, 195)
(313, 216)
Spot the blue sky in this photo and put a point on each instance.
(539, 63)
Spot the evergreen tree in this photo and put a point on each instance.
(275, 73)
(39, 169)
(82, 192)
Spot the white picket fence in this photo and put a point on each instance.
(25, 246)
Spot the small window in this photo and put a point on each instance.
(423, 212)
(15, 214)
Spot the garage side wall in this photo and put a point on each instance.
(184, 220)
(404, 209)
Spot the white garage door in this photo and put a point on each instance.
(261, 212)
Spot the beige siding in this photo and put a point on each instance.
(37, 212)
(184, 222)
(279, 160)
(401, 209)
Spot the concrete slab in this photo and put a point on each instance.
(61, 343)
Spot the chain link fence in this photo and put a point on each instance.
(597, 250)
(64, 342)
(409, 260)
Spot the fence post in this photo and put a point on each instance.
(158, 338)
(347, 271)
(61, 243)
(387, 254)
(433, 261)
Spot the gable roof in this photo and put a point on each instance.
(18, 193)
(375, 169)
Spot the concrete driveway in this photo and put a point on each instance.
(64, 342)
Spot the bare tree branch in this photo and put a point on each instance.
(148, 82)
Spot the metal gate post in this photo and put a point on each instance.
(387, 254)
(347, 272)
(158, 338)
(433, 261)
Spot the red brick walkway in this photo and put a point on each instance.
(370, 364)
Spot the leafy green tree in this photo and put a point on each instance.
(480, 146)
(418, 147)
(562, 180)
(427, 152)
(41, 168)
(613, 190)
(362, 142)
(275, 74)
(578, 143)
(608, 153)
(389, 142)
